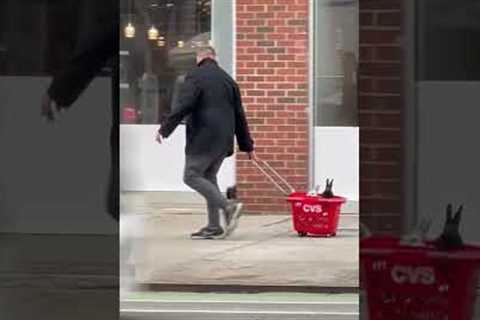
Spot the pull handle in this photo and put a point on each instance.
(272, 174)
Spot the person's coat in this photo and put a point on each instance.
(68, 85)
(211, 103)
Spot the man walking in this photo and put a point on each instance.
(67, 86)
(211, 103)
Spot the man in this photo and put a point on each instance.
(68, 85)
(210, 100)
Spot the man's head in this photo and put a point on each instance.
(206, 53)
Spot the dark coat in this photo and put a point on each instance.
(71, 82)
(210, 100)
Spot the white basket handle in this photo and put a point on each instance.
(286, 188)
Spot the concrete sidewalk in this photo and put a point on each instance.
(264, 251)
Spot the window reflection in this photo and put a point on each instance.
(335, 62)
(155, 59)
(448, 40)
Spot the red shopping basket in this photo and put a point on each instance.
(403, 282)
(311, 214)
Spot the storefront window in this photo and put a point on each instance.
(158, 43)
(448, 46)
(26, 51)
(335, 62)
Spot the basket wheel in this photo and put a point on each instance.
(302, 234)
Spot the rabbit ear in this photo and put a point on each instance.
(458, 215)
(449, 212)
(331, 183)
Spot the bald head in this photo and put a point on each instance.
(206, 53)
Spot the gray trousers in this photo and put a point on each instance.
(201, 175)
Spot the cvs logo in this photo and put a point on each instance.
(312, 208)
(413, 275)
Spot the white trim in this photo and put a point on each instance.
(242, 302)
(188, 311)
(410, 118)
(234, 43)
(311, 94)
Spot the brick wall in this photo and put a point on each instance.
(272, 72)
(380, 110)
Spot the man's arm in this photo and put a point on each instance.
(186, 102)
(69, 84)
(242, 132)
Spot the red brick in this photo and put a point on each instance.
(285, 15)
(380, 120)
(255, 36)
(277, 8)
(379, 36)
(266, 100)
(277, 115)
(390, 53)
(366, 53)
(379, 171)
(255, 93)
(268, 2)
(286, 30)
(265, 57)
(286, 71)
(276, 36)
(265, 86)
(389, 19)
(366, 19)
(273, 93)
(276, 23)
(374, 102)
(256, 50)
(276, 64)
(380, 135)
(380, 69)
(380, 4)
(255, 8)
(265, 15)
(241, 30)
(378, 153)
(254, 64)
(255, 78)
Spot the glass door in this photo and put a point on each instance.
(335, 151)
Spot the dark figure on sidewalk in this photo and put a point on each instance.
(211, 103)
(69, 84)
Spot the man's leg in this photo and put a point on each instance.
(213, 211)
(195, 176)
(233, 210)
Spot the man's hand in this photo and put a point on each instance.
(252, 156)
(49, 109)
(159, 138)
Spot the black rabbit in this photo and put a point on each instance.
(328, 193)
(232, 193)
(450, 237)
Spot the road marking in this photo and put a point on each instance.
(306, 313)
(241, 302)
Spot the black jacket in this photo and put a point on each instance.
(71, 82)
(210, 99)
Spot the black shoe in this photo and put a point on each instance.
(232, 215)
(206, 233)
